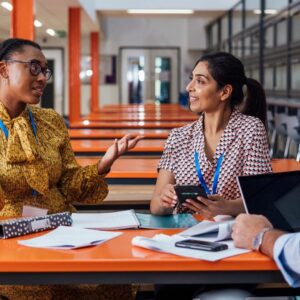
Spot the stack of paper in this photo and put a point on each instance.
(65, 237)
(211, 231)
(165, 243)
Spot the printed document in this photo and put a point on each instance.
(65, 237)
(113, 220)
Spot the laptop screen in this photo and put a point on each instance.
(276, 196)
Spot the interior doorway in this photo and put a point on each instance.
(149, 75)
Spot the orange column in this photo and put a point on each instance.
(22, 19)
(95, 68)
(74, 64)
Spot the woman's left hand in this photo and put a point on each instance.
(118, 148)
(209, 207)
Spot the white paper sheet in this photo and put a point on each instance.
(114, 220)
(165, 243)
(65, 237)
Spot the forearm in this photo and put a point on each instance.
(269, 240)
(235, 207)
(158, 209)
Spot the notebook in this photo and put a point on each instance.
(276, 196)
(131, 219)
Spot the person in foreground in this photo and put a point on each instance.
(38, 166)
(222, 144)
(257, 233)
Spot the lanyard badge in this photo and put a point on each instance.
(216, 175)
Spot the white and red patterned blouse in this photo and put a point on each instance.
(244, 144)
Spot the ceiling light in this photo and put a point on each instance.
(267, 11)
(50, 31)
(160, 11)
(7, 6)
(37, 23)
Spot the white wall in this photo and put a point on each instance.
(187, 33)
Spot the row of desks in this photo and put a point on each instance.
(134, 170)
(99, 147)
(136, 116)
(117, 133)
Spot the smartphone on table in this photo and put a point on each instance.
(201, 245)
(184, 192)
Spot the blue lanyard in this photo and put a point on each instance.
(216, 175)
(33, 125)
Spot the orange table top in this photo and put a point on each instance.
(83, 123)
(146, 167)
(117, 255)
(117, 133)
(96, 146)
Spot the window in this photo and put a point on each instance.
(269, 77)
(281, 75)
(282, 32)
(296, 26)
(224, 28)
(237, 19)
(295, 84)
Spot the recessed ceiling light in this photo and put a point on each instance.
(267, 11)
(50, 31)
(37, 23)
(160, 11)
(7, 5)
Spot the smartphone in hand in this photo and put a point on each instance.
(184, 192)
(201, 245)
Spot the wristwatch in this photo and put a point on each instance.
(258, 239)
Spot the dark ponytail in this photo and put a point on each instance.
(227, 69)
(255, 103)
(10, 46)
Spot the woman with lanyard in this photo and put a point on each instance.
(38, 166)
(222, 144)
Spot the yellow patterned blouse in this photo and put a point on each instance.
(44, 163)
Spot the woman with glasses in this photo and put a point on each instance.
(38, 166)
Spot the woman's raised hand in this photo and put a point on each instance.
(118, 148)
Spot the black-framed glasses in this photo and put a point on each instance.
(34, 67)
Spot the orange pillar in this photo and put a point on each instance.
(95, 68)
(74, 64)
(22, 19)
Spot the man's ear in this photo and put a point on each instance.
(226, 92)
(3, 70)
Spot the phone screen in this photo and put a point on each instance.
(184, 192)
(201, 245)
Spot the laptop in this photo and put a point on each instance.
(276, 196)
